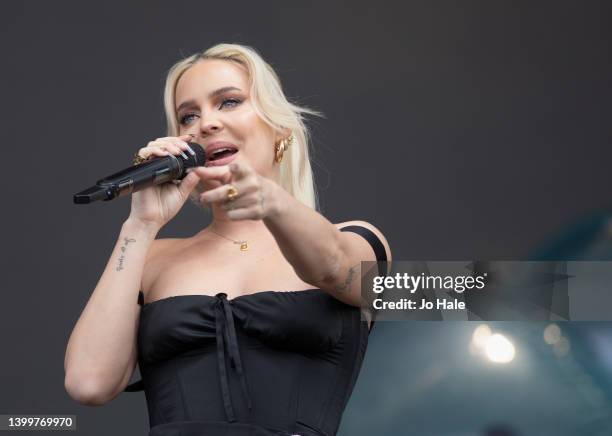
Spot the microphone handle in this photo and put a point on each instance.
(135, 178)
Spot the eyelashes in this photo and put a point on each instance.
(234, 101)
(184, 118)
(226, 103)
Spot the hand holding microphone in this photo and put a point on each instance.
(154, 201)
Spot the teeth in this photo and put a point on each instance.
(221, 150)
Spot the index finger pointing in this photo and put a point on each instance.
(239, 170)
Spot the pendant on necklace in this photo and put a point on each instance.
(244, 245)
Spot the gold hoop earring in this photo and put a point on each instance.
(280, 149)
(281, 146)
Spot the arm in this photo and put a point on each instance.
(319, 253)
(101, 353)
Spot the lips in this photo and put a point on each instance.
(220, 153)
(222, 161)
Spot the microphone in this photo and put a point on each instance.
(151, 172)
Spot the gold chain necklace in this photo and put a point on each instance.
(244, 245)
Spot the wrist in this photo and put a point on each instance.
(144, 228)
(278, 202)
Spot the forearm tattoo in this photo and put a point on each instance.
(126, 241)
(350, 276)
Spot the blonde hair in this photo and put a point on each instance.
(270, 104)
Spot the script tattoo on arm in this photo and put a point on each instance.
(126, 241)
(350, 275)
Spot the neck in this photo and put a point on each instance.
(246, 229)
(240, 229)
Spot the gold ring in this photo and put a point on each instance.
(232, 192)
(138, 159)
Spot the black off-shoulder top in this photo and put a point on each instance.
(270, 363)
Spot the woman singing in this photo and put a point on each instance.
(253, 325)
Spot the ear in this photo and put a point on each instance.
(281, 134)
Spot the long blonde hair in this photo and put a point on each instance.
(270, 104)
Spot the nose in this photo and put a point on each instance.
(209, 124)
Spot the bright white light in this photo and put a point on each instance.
(481, 335)
(552, 334)
(499, 349)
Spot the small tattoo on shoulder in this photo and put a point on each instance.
(126, 241)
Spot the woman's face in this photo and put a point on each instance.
(213, 103)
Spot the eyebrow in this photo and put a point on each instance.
(215, 93)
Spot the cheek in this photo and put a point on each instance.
(248, 123)
(254, 129)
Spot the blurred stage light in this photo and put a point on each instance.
(481, 335)
(499, 349)
(495, 346)
(552, 334)
(561, 347)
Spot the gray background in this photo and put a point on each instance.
(461, 129)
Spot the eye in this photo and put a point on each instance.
(229, 102)
(185, 119)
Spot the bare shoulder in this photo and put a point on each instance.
(161, 246)
(373, 229)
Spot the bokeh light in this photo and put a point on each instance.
(552, 334)
(499, 349)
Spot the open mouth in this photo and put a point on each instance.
(221, 156)
(222, 153)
